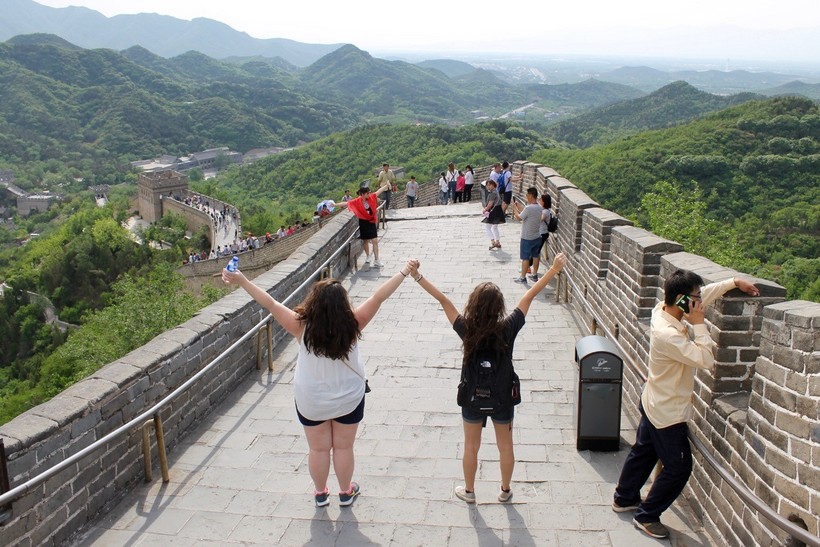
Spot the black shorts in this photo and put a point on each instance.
(367, 230)
(501, 417)
(507, 197)
(348, 419)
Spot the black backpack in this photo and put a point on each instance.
(552, 225)
(488, 383)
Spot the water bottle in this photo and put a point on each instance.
(233, 264)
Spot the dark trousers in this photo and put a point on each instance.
(452, 190)
(468, 192)
(671, 446)
(459, 196)
(411, 201)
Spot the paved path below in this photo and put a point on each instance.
(241, 478)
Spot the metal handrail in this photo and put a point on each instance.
(139, 421)
(740, 489)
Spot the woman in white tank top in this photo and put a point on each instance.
(329, 382)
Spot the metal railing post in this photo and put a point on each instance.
(5, 510)
(163, 457)
(146, 451)
(259, 350)
(269, 337)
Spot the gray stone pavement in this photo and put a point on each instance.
(241, 478)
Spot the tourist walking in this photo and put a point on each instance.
(329, 381)
(493, 215)
(488, 335)
(410, 191)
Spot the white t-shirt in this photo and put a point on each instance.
(327, 388)
(469, 178)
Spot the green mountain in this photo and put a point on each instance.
(164, 35)
(812, 91)
(673, 104)
(714, 81)
(590, 93)
(755, 168)
(448, 67)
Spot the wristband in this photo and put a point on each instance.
(419, 278)
(402, 273)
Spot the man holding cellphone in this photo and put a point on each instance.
(666, 401)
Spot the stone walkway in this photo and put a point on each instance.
(241, 478)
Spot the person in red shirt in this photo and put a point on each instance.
(365, 208)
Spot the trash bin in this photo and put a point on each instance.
(600, 377)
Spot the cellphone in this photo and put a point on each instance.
(683, 303)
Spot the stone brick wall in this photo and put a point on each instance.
(49, 433)
(193, 217)
(758, 412)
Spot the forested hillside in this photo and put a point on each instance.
(741, 186)
(282, 188)
(84, 113)
(87, 270)
(673, 104)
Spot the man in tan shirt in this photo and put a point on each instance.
(387, 179)
(666, 401)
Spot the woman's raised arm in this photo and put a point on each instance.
(368, 309)
(449, 309)
(281, 313)
(529, 296)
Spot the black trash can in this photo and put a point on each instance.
(600, 378)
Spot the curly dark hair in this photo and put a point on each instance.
(331, 329)
(484, 318)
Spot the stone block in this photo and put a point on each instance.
(788, 358)
(780, 397)
(768, 369)
(781, 462)
(802, 314)
(800, 450)
(118, 373)
(28, 428)
(803, 340)
(809, 475)
(808, 407)
(794, 424)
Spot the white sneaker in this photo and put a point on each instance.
(378, 264)
(368, 259)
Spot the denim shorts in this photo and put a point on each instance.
(530, 248)
(499, 418)
(348, 419)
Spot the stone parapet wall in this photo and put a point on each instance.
(49, 433)
(193, 217)
(758, 412)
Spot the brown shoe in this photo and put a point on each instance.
(652, 529)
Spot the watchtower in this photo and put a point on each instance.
(152, 187)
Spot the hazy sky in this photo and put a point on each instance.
(786, 30)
